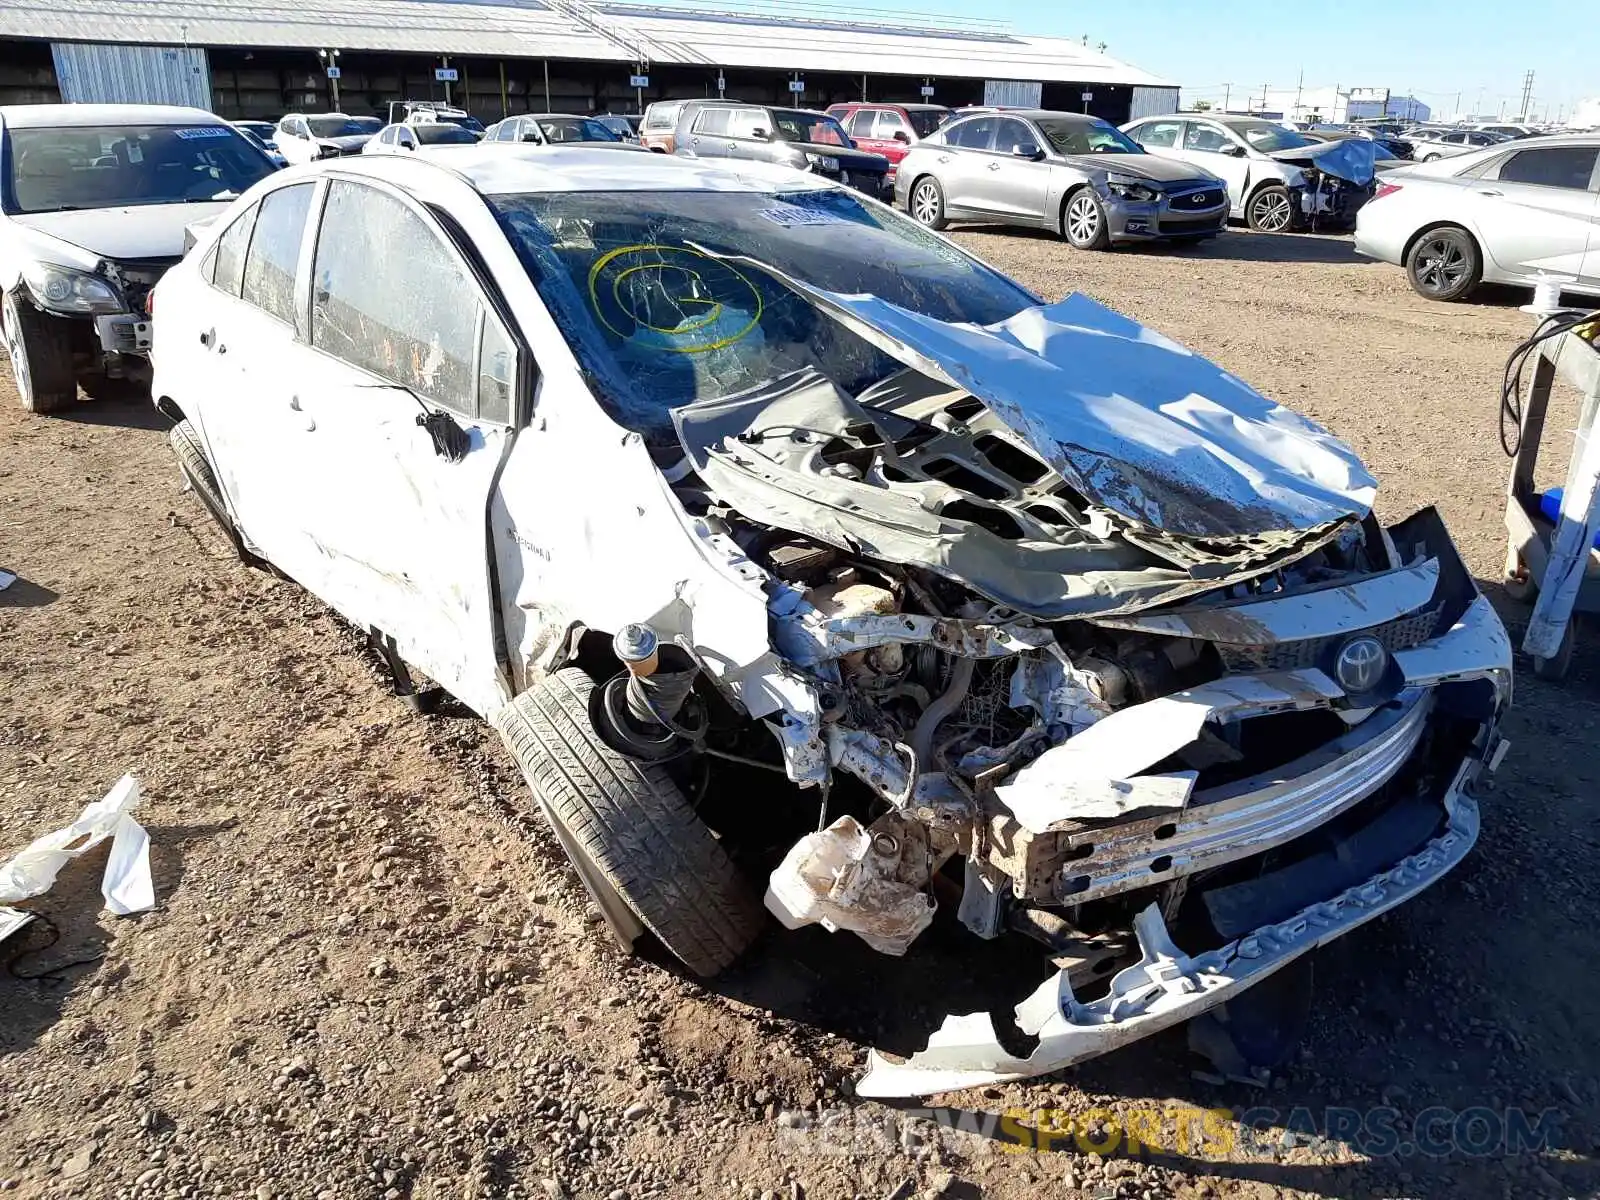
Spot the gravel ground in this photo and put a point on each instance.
(370, 974)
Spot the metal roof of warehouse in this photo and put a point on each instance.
(559, 29)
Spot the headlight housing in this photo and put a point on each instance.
(63, 290)
(1131, 187)
(822, 162)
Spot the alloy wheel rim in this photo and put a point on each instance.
(1272, 212)
(927, 205)
(1441, 265)
(1083, 220)
(14, 351)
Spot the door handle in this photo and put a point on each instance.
(994, 166)
(208, 337)
(944, 158)
(1489, 191)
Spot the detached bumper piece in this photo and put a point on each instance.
(123, 333)
(1167, 986)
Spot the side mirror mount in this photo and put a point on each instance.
(760, 135)
(1028, 151)
(1236, 152)
(900, 135)
(529, 135)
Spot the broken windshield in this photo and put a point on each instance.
(635, 281)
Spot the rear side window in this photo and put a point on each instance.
(269, 265)
(975, 134)
(228, 257)
(1554, 166)
(389, 297)
(712, 120)
(661, 116)
(889, 124)
(1157, 133)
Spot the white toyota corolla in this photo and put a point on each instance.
(783, 539)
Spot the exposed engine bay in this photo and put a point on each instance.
(1008, 690)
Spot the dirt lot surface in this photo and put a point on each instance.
(370, 974)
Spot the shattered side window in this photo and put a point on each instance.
(228, 256)
(390, 298)
(274, 253)
(643, 289)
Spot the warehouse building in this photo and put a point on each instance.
(245, 59)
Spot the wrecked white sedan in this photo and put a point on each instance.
(722, 483)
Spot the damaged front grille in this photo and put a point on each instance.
(1403, 633)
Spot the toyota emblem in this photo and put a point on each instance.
(1361, 664)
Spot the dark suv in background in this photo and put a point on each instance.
(794, 137)
(889, 129)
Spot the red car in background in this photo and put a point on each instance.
(889, 129)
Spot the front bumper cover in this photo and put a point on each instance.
(1168, 986)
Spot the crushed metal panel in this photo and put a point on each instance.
(1166, 986)
(1314, 613)
(1040, 806)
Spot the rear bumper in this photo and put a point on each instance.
(1167, 986)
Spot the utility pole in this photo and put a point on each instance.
(1527, 91)
(1477, 109)
(330, 66)
(1227, 90)
(1264, 87)
(1299, 86)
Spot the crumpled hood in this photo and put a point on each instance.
(1351, 159)
(1145, 166)
(1135, 421)
(347, 143)
(136, 231)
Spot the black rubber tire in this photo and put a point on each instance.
(40, 347)
(197, 472)
(102, 387)
(633, 824)
(1421, 260)
(1101, 238)
(1257, 219)
(929, 184)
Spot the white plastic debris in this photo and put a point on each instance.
(126, 886)
(6, 580)
(841, 878)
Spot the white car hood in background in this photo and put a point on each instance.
(131, 232)
(1132, 419)
(1354, 159)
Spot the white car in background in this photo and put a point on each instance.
(1513, 213)
(94, 199)
(308, 137)
(406, 138)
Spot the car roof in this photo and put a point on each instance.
(513, 169)
(1225, 118)
(56, 116)
(906, 105)
(1032, 114)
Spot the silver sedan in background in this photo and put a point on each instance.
(1075, 175)
(1427, 146)
(1513, 213)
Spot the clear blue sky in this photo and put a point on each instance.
(1430, 48)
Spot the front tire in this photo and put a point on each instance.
(926, 203)
(1444, 264)
(40, 346)
(627, 827)
(1084, 223)
(1271, 209)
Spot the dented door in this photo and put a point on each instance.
(406, 393)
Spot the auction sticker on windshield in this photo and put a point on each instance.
(204, 131)
(790, 215)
